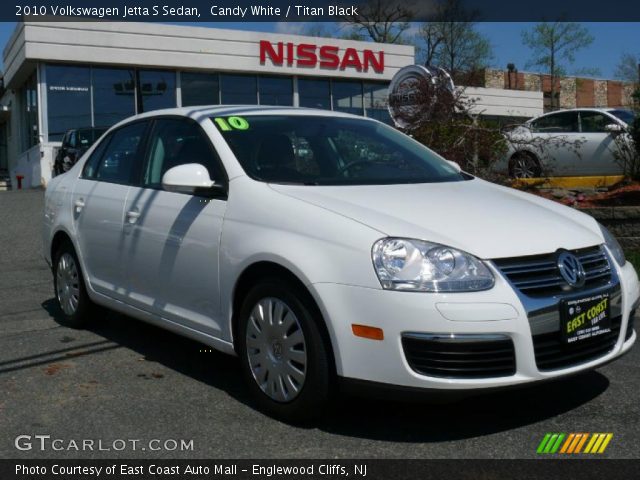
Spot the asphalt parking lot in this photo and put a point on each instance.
(127, 380)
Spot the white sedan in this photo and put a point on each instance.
(575, 142)
(320, 264)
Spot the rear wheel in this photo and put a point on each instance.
(285, 360)
(524, 165)
(69, 287)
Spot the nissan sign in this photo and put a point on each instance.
(407, 86)
(329, 57)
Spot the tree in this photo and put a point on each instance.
(452, 42)
(444, 120)
(627, 69)
(382, 21)
(317, 29)
(554, 45)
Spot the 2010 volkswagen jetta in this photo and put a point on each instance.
(320, 246)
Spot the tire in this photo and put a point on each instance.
(524, 165)
(284, 355)
(69, 288)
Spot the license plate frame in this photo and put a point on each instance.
(585, 317)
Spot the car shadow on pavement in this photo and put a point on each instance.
(173, 351)
(440, 420)
(426, 420)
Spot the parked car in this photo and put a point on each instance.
(394, 269)
(572, 142)
(74, 144)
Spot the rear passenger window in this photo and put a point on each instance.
(118, 162)
(90, 166)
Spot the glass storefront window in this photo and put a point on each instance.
(199, 89)
(157, 89)
(347, 96)
(113, 95)
(376, 101)
(276, 90)
(68, 99)
(239, 89)
(314, 93)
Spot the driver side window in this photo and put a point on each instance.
(594, 122)
(175, 142)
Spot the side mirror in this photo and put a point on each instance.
(189, 178)
(613, 128)
(455, 165)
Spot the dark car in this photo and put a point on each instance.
(74, 143)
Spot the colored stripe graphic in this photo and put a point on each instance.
(567, 443)
(573, 443)
(591, 443)
(605, 443)
(543, 443)
(556, 446)
(583, 439)
(551, 443)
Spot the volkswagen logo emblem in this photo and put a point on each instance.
(570, 269)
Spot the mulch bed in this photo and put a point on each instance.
(627, 194)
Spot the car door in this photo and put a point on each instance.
(98, 206)
(171, 239)
(599, 149)
(555, 137)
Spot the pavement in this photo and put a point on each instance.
(123, 381)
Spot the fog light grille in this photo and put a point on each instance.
(460, 356)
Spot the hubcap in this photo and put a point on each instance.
(67, 284)
(276, 349)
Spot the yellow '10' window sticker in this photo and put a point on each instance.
(231, 123)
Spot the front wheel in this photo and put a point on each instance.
(285, 359)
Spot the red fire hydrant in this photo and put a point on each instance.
(19, 178)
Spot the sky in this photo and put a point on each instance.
(610, 41)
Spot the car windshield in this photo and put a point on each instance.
(627, 116)
(319, 150)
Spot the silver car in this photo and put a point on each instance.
(576, 142)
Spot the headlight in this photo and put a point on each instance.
(415, 265)
(613, 246)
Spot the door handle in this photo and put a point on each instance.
(79, 204)
(133, 215)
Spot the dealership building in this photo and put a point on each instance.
(64, 75)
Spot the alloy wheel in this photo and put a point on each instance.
(524, 167)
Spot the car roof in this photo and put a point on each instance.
(203, 111)
(228, 110)
(581, 109)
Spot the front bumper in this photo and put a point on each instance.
(498, 312)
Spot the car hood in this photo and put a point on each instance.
(475, 216)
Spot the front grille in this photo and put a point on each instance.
(538, 275)
(460, 356)
(553, 354)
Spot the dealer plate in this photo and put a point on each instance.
(586, 317)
